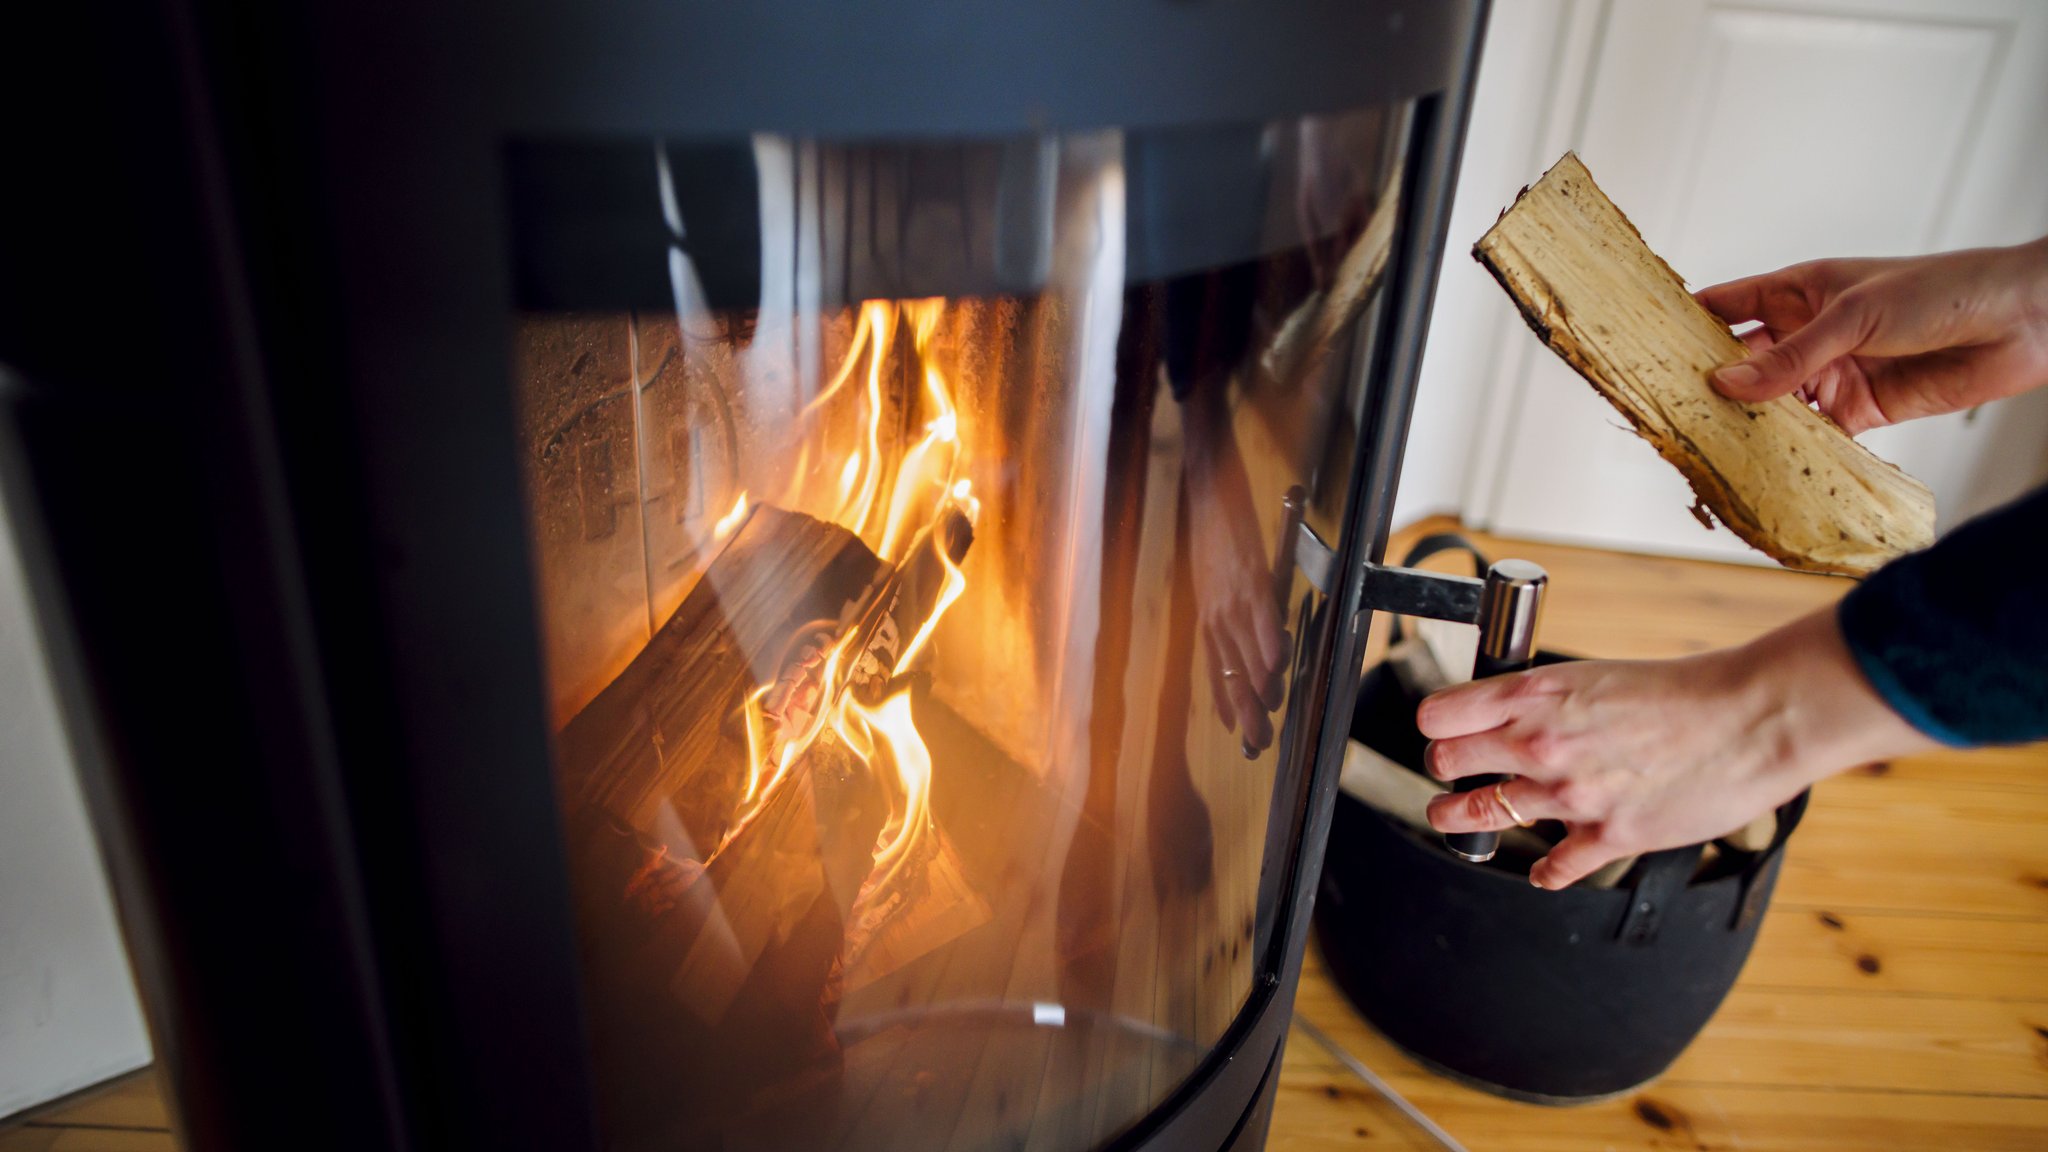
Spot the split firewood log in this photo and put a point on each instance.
(1780, 475)
(1415, 665)
(661, 740)
(695, 851)
(682, 1030)
(653, 774)
(1386, 786)
(720, 929)
(1754, 836)
(776, 866)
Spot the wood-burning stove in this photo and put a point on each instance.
(717, 577)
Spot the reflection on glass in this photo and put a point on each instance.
(907, 520)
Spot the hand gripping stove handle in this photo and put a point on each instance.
(1510, 602)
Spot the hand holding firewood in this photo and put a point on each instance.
(1875, 342)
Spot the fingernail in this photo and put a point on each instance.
(1535, 881)
(1736, 376)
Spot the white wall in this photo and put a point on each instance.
(68, 1013)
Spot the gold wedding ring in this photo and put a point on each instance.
(1500, 793)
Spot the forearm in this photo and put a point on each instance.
(1205, 425)
(1818, 713)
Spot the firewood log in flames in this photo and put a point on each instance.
(727, 842)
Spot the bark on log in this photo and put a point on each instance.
(1780, 475)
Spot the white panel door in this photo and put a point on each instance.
(1743, 137)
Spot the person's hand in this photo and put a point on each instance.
(1635, 756)
(1241, 633)
(1876, 342)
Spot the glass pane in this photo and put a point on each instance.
(906, 518)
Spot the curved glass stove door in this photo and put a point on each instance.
(913, 525)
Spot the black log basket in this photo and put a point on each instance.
(1562, 997)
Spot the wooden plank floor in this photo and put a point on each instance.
(124, 1115)
(1898, 994)
(1897, 997)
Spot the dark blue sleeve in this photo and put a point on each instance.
(1955, 638)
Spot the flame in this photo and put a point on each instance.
(870, 320)
(967, 502)
(898, 733)
(895, 511)
(847, 476)
(854, 732)
(830, 679)
(878, 323)
(904, 503)
(757, 739)
(930, 467)
(731, 521)
(956, 583)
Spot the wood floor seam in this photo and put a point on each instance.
(1841, 1089)
(1928, 913)
(88, 1127)
(1892, 994)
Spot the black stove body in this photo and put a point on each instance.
(784, 575)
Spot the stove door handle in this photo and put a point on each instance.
(1510, 606)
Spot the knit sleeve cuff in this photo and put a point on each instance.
(1860, 617)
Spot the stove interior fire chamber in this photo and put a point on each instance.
(913, 525)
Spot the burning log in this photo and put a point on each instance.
(660, 740)
(654, 774)
(725, 820)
